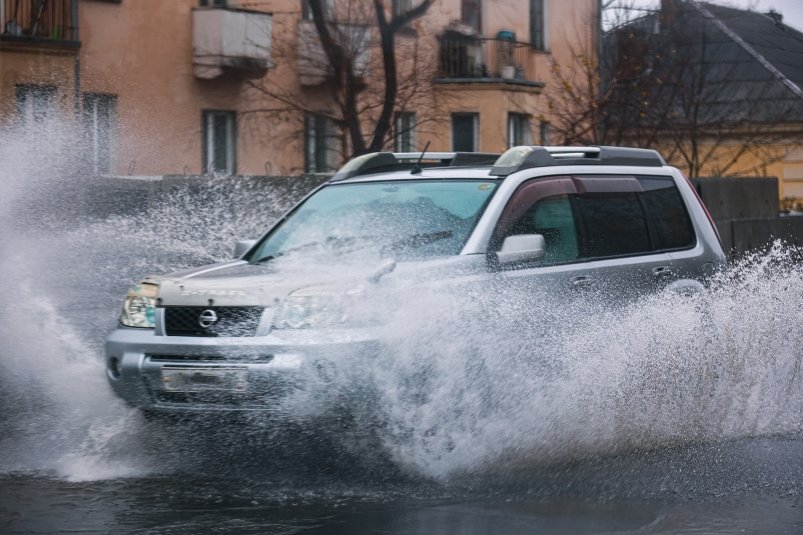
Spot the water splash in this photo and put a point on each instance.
(485, 378)
(493, 381)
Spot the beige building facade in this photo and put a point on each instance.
(153, 87)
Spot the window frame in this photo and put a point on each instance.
(31, 109)
(538, 27)
(519, 122)
(317, 146)
(404, 139)
(207, 142)
(471, 14)
(475, 124)
(90, 103)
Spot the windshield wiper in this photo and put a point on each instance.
(331, 241)
(418, 240)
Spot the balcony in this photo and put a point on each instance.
(313, 64)
(471, 59)
(230, 41)
(44, 22)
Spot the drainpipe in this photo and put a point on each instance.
(77, 99)
(76, 61)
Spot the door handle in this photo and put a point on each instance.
(662, 272)
(582, 281)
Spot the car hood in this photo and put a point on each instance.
(240, 283)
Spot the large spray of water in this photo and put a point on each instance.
(487, 379)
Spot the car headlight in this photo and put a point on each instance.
(314, 308)
(139, 307)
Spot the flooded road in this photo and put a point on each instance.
(750, 486)
(487, 413)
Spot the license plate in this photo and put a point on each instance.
(204, 379)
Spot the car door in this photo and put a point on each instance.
(597, 238)
(544, 206)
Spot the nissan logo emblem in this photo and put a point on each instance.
(207, 318)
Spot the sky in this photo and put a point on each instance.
(792, 10)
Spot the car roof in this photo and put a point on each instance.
(427, 173)
(444, 165)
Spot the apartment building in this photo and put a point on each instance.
(153, 87)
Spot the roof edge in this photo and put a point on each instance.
(792, 86)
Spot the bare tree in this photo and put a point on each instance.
(370, 63)
(599, 95)
(661, 81)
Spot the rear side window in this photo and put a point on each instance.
(613, 224)
(667, 213)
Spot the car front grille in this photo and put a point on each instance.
(212, 321)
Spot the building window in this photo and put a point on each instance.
(320, 144)
(100, 126)
(518, 130)
(400, 7)
(306, 10)
(545, 133)
(219, 142)
(464, 132)
(405, 132)
(36, 104)
(471, 14)
(537, 25)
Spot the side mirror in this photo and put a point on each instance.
(242, 247)
(521, 248)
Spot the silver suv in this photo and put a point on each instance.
(241, 334)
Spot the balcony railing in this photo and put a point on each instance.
(49, 20)
(486, 58)
(226, 40)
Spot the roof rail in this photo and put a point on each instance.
(525, 157)
(376, 162)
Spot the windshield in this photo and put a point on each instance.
(398, 219)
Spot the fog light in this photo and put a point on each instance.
(114, 367)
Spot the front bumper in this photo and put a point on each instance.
(268, 368)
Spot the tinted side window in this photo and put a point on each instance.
(667, 213)
(613, 224)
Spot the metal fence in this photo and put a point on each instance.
(475, 57)
(39, 19)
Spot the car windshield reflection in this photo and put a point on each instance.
(411, 219)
